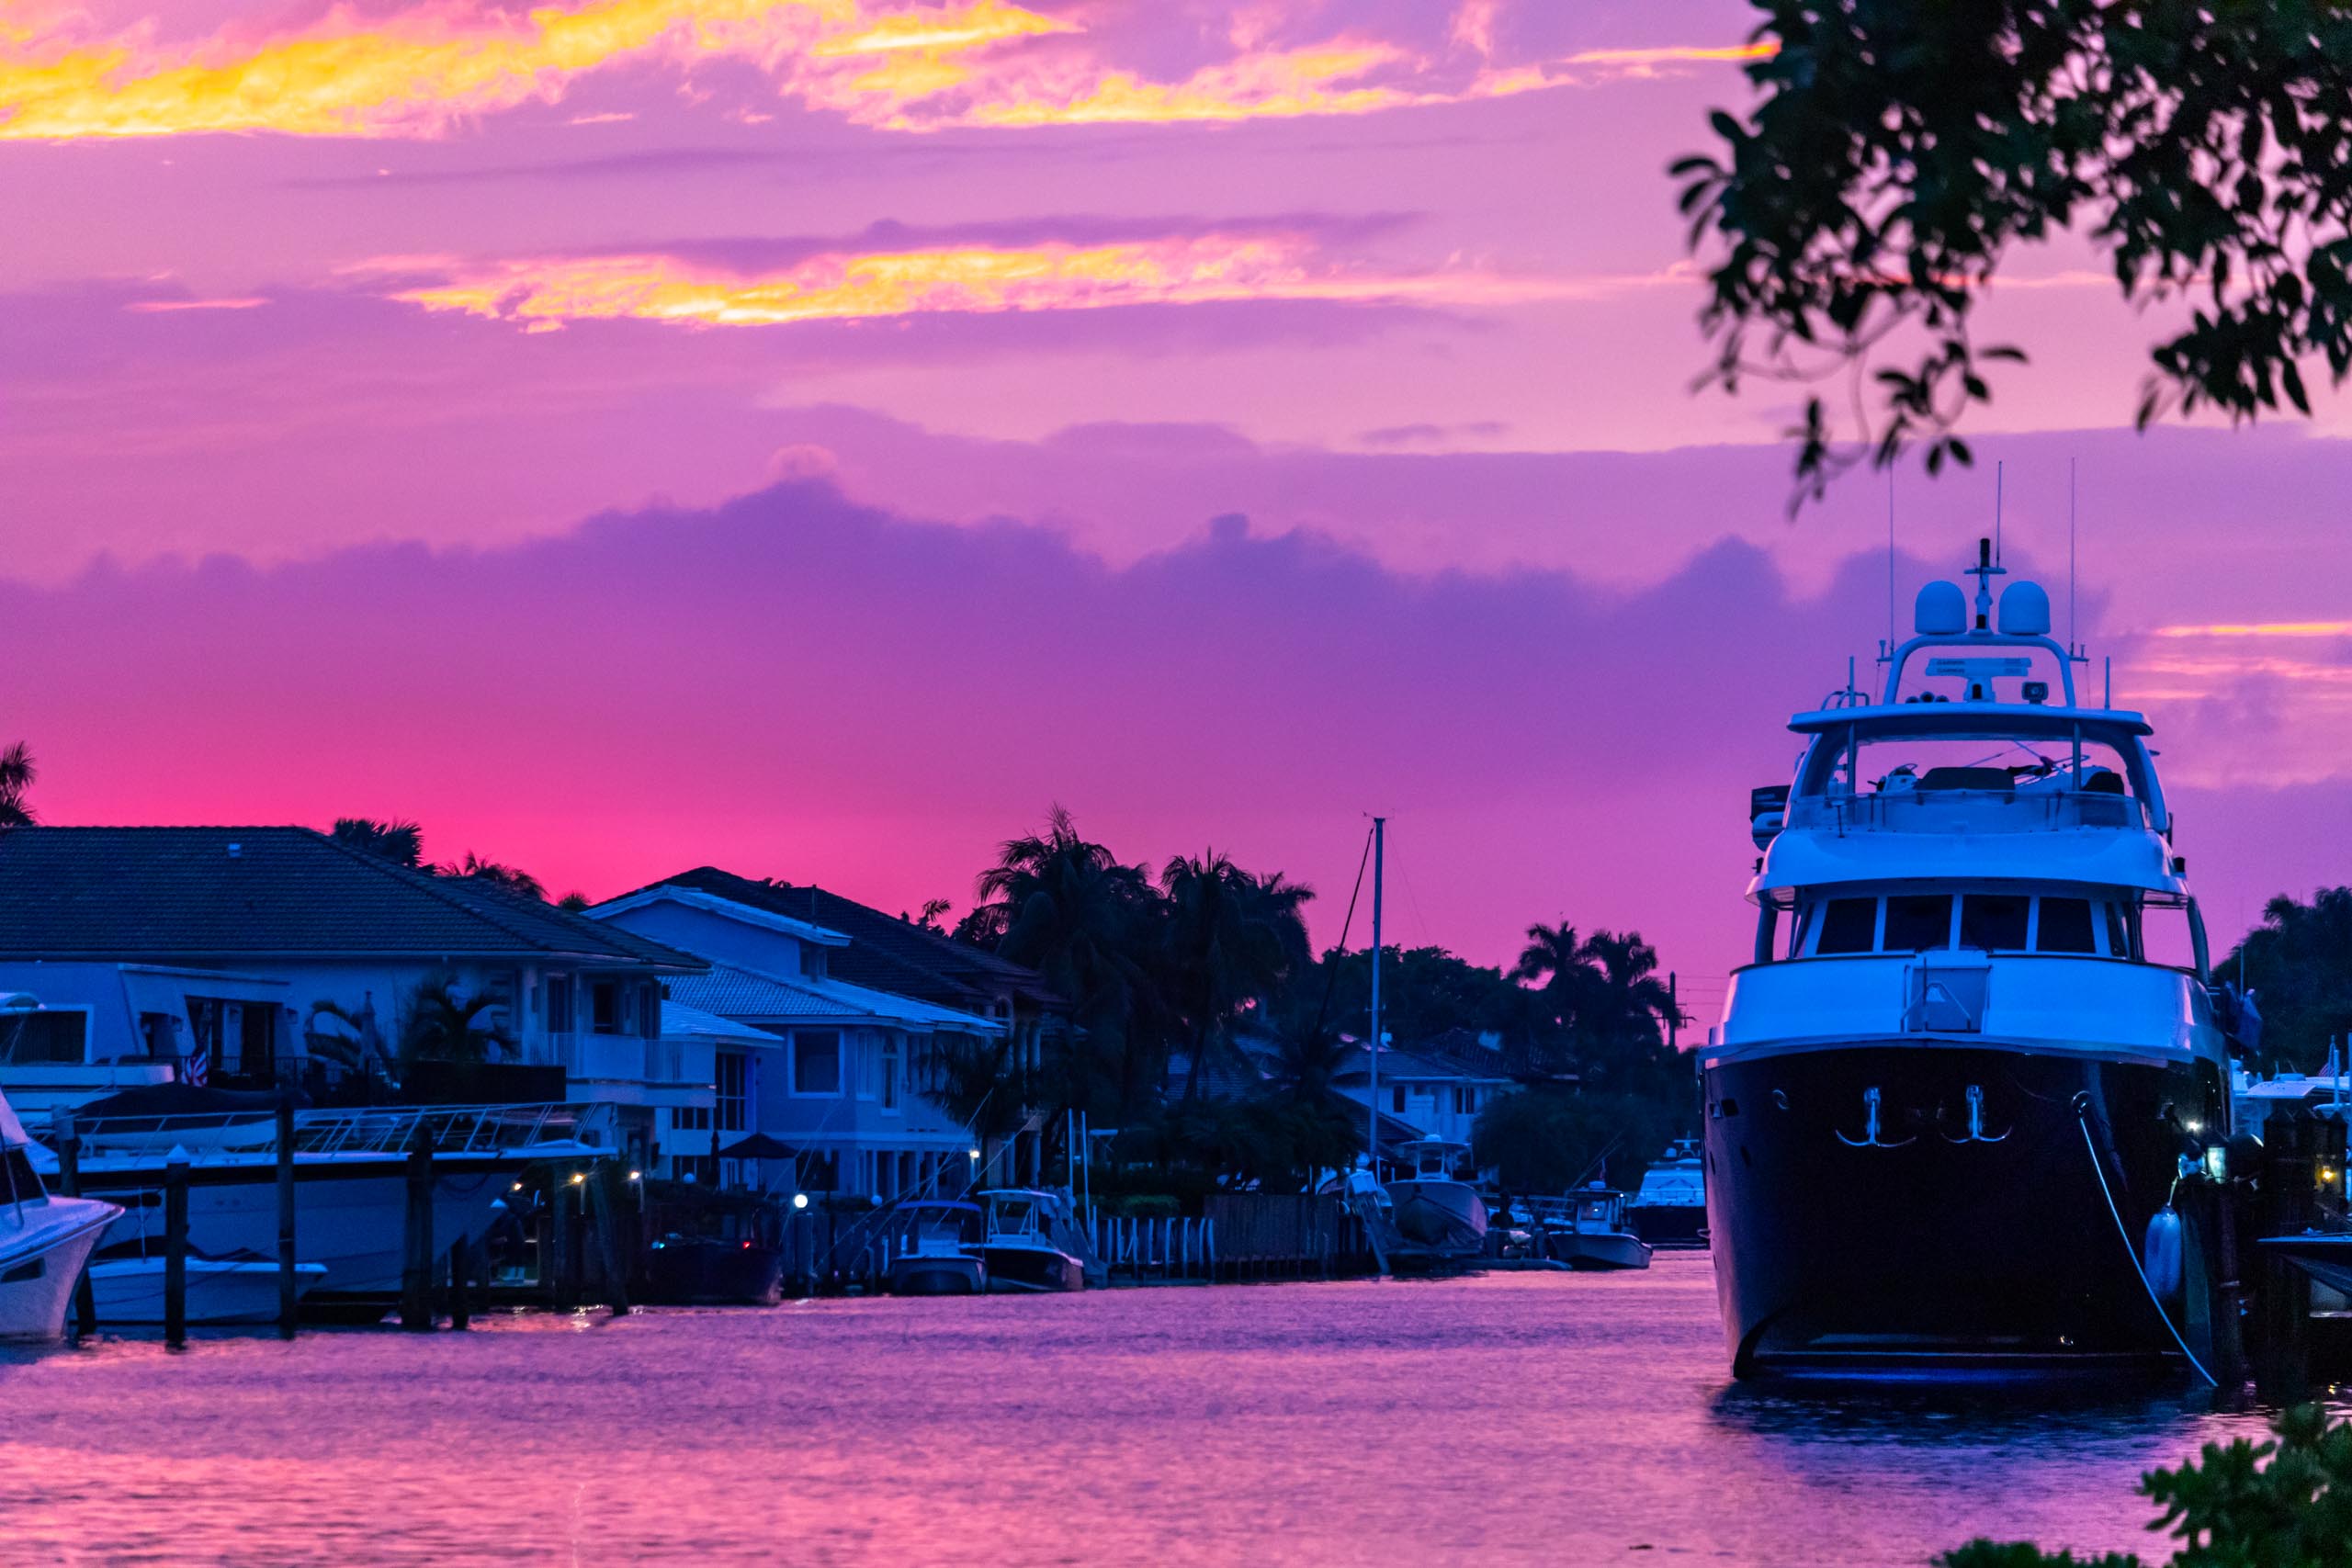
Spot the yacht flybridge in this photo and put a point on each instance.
(1976, 1057)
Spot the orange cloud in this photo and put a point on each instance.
(544, 293)
(2262, 628)
(888, 63)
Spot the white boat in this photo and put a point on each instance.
(1669, 1209)
(1020, 1246)
(1588, 1230)
(44, 1240)
(130, 1289)
(932, 1252)
(1980, 1054)
(350, 1181)
(1433, 1206)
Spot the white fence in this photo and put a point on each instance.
(1157, 1249)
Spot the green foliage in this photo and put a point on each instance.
(473, 868)
(442, 1026)
(1548, 1139)
(2286, 1504)
(17, 773)
(2299, 964)
(395, 837)
(1901, 148)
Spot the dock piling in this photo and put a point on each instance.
(289, 1296)
(459, 1318)
(562, 1282)
(69, 1183)
(175, 1250)
(417, 1264)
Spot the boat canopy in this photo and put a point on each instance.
(2089, 857)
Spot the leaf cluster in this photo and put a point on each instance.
(1899, 150)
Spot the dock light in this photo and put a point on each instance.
(578, 1177)
(2193, 1125)
(637, 1175)
(976, 1153)
(2326, 1173)
(517, 1187)
(800, 1200)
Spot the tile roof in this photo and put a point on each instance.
(1412, 1066)
(172, 894)
(886, 952)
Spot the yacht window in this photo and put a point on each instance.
(2065, 927)
(24, 1187)
(1916, 922)
(1994, 920)
(2119, 939)
(1849, 925)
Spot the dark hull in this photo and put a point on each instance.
(1948, 1255)
(937, 1276)
(1032, 1269)
(1670, 1225)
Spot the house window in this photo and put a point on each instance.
(889, 1072)
(43, 1036)
(812, 959)
(604, 1007)
(733, 1075)
(648, 1010)
(816, 1061)
(559, 994)
(257, 1041)
(1465, 1101)
(690, 1119)
(1397, 1099)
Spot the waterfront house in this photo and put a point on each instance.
(254, 956)
(1438, 1089)
(855, 1086)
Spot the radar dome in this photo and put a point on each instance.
(1942, 610)
(2025, 610)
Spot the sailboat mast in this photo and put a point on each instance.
(1371, 1132)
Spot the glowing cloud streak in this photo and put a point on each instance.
(543, 294)
(877, 63)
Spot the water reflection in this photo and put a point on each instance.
(1525, 1419)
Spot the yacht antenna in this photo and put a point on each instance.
(2000, 472)
(1985, 570)
(1889, 651)
(2070, 555)
(1372, 1130)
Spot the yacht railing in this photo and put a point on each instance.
(349, 1132)
(1984, 811)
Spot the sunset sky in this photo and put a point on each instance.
(814, 436)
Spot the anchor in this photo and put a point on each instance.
(1976, 1134)
(1869, 1138)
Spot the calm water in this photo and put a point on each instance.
(1553, 1418)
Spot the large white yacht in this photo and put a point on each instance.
(1976, 1054)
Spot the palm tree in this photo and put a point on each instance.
(980, 1088)
(1621, 1029)
(1233, 939)
(1554, 962)
(473, 868)
(17, 773)
(395, 837)
(442, 1027)
(1066, 907)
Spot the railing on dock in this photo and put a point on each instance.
(1170, 1248)
(379, 1130)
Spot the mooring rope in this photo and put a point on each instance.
(2099, 1170)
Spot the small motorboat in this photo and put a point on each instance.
(127, 1288)
(1433, 1207)
(1670, 1207)
(708, 1270)
(1588, 1230)
(933, 1249)
(1022, 1247)
(44, 1241)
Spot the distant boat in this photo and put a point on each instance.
(1588, 1230)
(1019, 1246)
(129, 1289)
(1670, 1208)
(933, 1249)
(44, 1241)
(1435, 1207)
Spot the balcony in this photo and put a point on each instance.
(2038, 1001)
